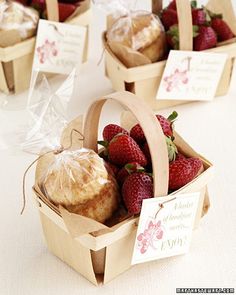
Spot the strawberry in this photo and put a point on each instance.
(112, 130)
(205, 39)
(127, 170)
(65, 10)
(24, 2)
(137, 187)
(112, 169)
(137, 134)
(146, 151)
(182, 171)
(75, 2)
(169, 18)
(166, 124)
(222, 29)
(172, 151)
(198, 16)
(180, 156)
(172, 36)
(39, 5)
(123, 149)
(172, 5)
(103, 154)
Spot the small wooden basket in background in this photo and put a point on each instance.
(144, 80)
(16, 60)
(102, 254)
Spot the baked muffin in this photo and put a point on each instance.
(141, 32)
(79, 181)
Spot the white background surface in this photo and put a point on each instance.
(27, 267)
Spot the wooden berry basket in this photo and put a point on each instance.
(97, 252)
(144, 80)
(16, 60)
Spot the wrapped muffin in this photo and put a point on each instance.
(79, 181)
(15, 16)
(137, 39)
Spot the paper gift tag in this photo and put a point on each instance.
(190, 75)
(59, 47)
(165, 227)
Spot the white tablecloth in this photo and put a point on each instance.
(27, 267)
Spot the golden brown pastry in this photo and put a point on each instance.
(141, 32)
(15, 16)
(79, 181)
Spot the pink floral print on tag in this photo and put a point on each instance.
(175, 79)
(47, 51)
(150, 236)
(178, 76)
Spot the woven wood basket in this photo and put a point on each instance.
(16, 61)
(97, 252)
(144, 80)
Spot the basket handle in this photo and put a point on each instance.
(150, 125)
(52, 10)
(185, 21)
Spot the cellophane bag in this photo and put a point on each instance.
(135, 37)
(67, 174)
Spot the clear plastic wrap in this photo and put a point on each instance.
(116, 8)
(135, 37)
(79, 181)
(67, 174)
(47, 112)
(15, 16)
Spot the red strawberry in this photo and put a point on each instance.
(169, 18)
(182, 171)
(75, 2)
(180, 156)
(65, 10)
(172, 151)
(222, 29)
(199, 17)
(112, 169)
(24, 2)
(136, 188)
(205, 39)
(39, 5)
(166, 124)
(127, 170)
(137, 134)
(172, 36)
(147, 154)
(103, 154)
(123, 149)
(172, 5)
(112, 130)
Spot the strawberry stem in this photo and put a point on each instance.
(172, 149)
(134, 168)
(194, 4)
(172, 116)
(103, 143)
(214, 15)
